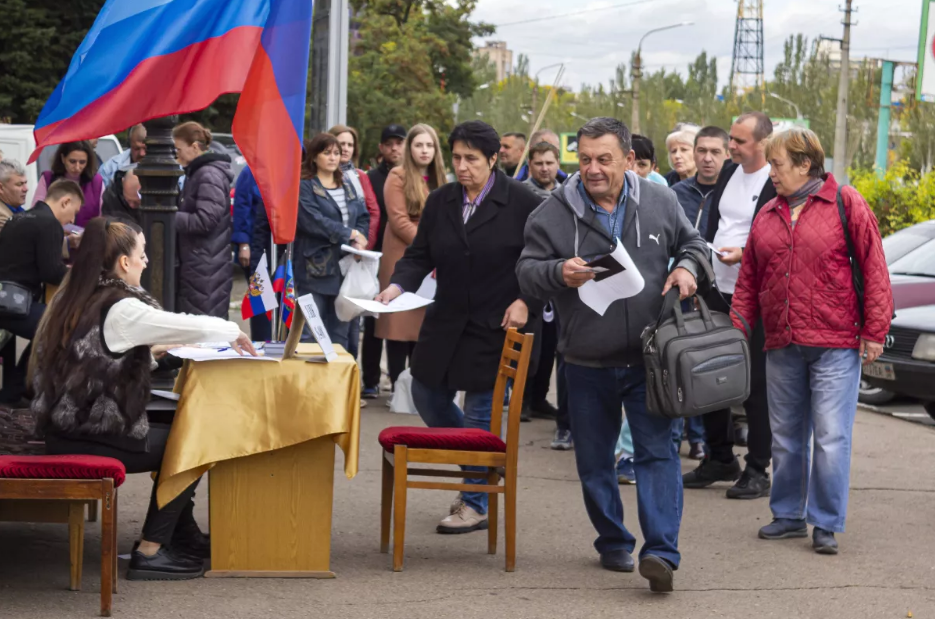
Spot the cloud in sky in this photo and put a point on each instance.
(593, 43)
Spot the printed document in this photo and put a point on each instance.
(598, 295)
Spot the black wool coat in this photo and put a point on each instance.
(461, 339)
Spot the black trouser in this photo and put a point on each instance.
(397, 353)
(537, 385)
(719, 427)
(14, 374)
(371, 354)
(561, 421)
(160, 523)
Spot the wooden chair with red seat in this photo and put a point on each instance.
(69, 482)
(460, 446)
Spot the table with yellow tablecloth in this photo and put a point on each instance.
(266, 431)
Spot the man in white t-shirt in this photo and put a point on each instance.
(742, 189)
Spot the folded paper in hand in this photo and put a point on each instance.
(373, 255)
(598, 295)
(403, 303)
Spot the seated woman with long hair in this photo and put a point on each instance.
(90, 371)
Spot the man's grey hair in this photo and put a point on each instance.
(134, 130)
(603, 125)
(9, 168)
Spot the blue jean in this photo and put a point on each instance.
(812, 393)
(595, 396)
(695, 427)
(437, 408)
(353, 337)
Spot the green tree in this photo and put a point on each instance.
(37, 41)
(391, 78)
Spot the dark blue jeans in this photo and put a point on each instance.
(595, 397)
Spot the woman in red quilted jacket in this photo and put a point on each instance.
(797, 277)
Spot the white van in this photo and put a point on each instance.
(17, 142)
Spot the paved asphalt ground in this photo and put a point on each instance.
(886, 567)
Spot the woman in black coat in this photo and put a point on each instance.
(471, 233)
(203, 224)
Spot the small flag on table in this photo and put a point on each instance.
(260, 297)
(288, 293)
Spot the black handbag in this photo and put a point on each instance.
(15, 300)
(696, 362)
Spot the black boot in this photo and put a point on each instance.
(753, 484)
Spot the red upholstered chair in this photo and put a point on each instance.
(460, 446)
(72, 481)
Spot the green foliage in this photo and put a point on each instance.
(392, 79)
(901, 198)
(37, 41)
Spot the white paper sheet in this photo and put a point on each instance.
(714, 248)
(403, 303)
(628, 283)
(168, 395)
(196, 353)
(375, 255)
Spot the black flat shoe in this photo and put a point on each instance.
(617, 561)
(658, 572)
(192, 542)
(823, 542)
(166, 564)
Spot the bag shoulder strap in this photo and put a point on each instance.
(847, 233)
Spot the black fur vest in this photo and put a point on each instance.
(87, 392)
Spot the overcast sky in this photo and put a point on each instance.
(593, 42)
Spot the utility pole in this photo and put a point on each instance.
(840, 127)
(329, 64)
(635, 122)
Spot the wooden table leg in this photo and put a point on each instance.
(108, 549)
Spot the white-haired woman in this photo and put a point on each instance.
(680, 146)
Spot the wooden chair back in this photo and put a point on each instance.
(514, 363)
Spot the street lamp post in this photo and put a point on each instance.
(159, 173)
(798, 114)
(637, 73)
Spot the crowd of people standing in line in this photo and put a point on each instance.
(507, 243)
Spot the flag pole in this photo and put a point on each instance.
(274, 264)
(545, 108)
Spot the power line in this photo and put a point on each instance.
(603, 8)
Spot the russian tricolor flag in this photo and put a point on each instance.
(144, 59)
(260, 297)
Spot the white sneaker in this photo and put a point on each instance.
(456, 505)
(464, 520)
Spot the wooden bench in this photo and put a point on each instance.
(41, 486)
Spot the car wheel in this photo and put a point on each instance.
(873, 395)
(930, 409)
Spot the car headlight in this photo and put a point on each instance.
(925, 348)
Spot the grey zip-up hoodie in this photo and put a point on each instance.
(655, 230)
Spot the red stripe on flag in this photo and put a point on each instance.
(267, 138)
(184, 81)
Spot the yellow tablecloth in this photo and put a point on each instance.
(231, 409)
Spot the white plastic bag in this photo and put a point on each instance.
(402, 395)
(360, 282)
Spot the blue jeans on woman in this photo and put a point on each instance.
(437, 408)
(595, 396)
(812, 393)
(337, 330)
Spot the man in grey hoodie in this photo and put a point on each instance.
(603, 202)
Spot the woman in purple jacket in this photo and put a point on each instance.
(77, 162)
